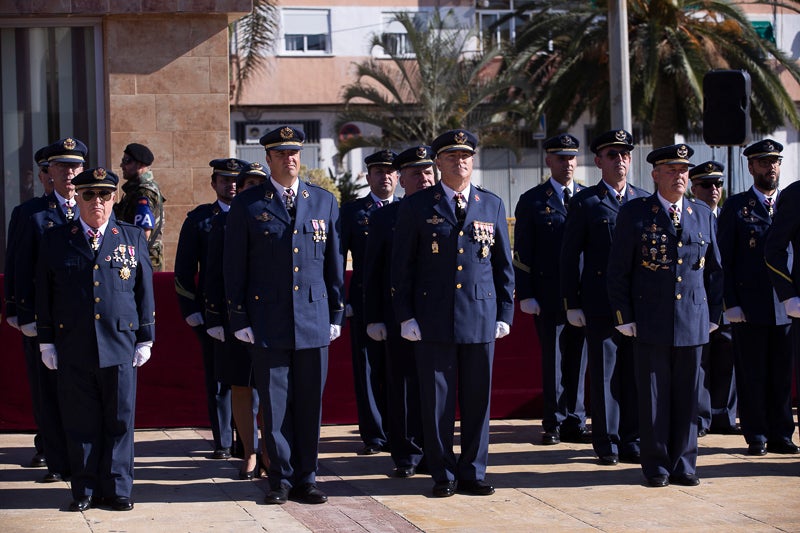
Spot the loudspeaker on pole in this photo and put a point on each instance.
(726, 107)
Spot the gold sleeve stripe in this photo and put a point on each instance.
(779, 272)
(520, 265)
(183, 292)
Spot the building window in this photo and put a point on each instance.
(493, 32)
(306, 31)
(49, 89)
(395, 37)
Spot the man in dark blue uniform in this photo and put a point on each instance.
(369, 357)
(65, 161)
(587, 237)
(19, 215)
(717, 404)
(453, 285)
(190, 263)
(760, 323)
(415, 166)
(284, 283)
(538, 232)
(95, 317)
(664, 297)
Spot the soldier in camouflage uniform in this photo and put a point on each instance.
(139, 184)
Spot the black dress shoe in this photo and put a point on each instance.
(550, 437)
(757, 448)
(608, 460)
(370, 449)
(577, 436)
(80, 505)
(38, 461)
(444, 489)
(633, 458)
(308, 493)
(277, 496)
(702, 432)
(727, 430)
(687, 480)
(52, 477)
(221, 453)
(120, 503)
(404, 471)
(658, 481)
(477, 487)
(782, 447)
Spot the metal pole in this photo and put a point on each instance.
(619, 65)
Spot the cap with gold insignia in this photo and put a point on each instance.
(139, 153)
(41, 157)
(96, 178)
(229, 166)
(252, 169)
(455, 140)
(67, 150)
(381, 157)
(711, 170)
(765, 148)
(564, 144)
(417, 156)
(675, 154)
(283, 138)
(619, 138)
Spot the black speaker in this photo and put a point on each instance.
(726, 107)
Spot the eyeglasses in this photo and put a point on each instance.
(613, 154)
(768, 162)
(89, 195)
(709, 184)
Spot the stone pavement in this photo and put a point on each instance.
(551, 488)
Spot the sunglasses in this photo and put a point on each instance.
(126, 160)
(613, 154)
(89, 195)
(709, 184)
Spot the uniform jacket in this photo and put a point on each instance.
(455, 283)
(538, 232)
(190, 258)
(377, 268)
(95, 310)
(785, 230)
(744, 225)
(663, 279)
(355, 220)
(145, 187)
(284, 280)
(27, 252)
(19, 217)
(587, 236)
(216, 309)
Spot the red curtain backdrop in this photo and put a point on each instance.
(170, 389)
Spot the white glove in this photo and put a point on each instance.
(530, 306)
(576, 317)
(348, 311)
(141, 355)
(735, 315)
(29, 329)
(217, 332)
(336, 330)
(792, 306)
(195, 319)
(49, 355)
(409, 330)
(13, 322)
(501, 329)
(629, 329)
(712, 327)
(377, 331)
(245, 335)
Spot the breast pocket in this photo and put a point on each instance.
(315, 238)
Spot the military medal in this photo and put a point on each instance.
(435, 247)
(483, 234)
(701, 263)
(124, 272)
(315, 224)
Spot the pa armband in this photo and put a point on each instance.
(144, 215)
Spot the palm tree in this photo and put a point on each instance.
(251, 39)
(560, 62)
(445, 84)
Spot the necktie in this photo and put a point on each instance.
(461, 207)
(288, 198)
(567, 196)
(70, 214)
(378, 204)
(770, 202)
(94, 239)
(674, 214)
(619, 198)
